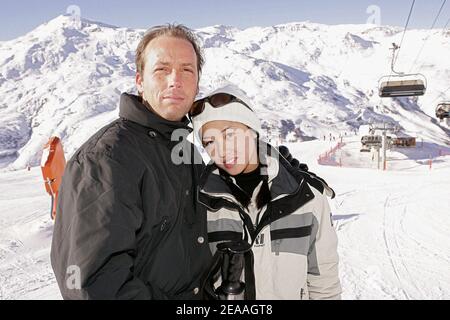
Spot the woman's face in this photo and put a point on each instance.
(231, 145)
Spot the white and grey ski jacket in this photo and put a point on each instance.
(293, 240)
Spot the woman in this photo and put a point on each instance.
(253, 195)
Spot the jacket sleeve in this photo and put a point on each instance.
(94, 242)
(323, 261)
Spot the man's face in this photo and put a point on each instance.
(169, 82)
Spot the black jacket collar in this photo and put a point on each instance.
(282, 180)
(132, 109)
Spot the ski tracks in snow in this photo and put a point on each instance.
(391, 233)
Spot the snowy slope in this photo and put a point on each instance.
(393, 229)
(65, 80)
(393, 226)
(25, 238)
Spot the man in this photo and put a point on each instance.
(128, 226)
(127, 223)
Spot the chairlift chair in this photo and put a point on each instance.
(371, 140)
(399, 84)
(365, 148)
(443, 110)
(402, 85)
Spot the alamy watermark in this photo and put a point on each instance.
(242, 143)
(374, 12)
(73, 281)
(74, 12)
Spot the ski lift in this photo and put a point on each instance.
(443, 110)
(371, 140)
(365, 148)
(405, 85)
(400, 84)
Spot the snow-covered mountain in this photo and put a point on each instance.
(65, 79)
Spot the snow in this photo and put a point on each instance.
(65, 79)
(25, 237)
(303, 77)
(393, 226)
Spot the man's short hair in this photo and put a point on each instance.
(172, 30)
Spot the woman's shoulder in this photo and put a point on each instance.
(312, 179)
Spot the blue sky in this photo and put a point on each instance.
(20, 16)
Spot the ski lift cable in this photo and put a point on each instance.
(404, 31)
(438, 14)
(426, 39)
(445, 27)
(395, 57)
(440, 95)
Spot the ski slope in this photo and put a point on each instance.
(25, 237)
(65, 80)
(393, 226)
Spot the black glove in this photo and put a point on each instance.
(232, 269)
(233, 258)
(284, 151)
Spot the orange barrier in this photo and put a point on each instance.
(53, 164)
(326, 158)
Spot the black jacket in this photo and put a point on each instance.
(127, 219)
